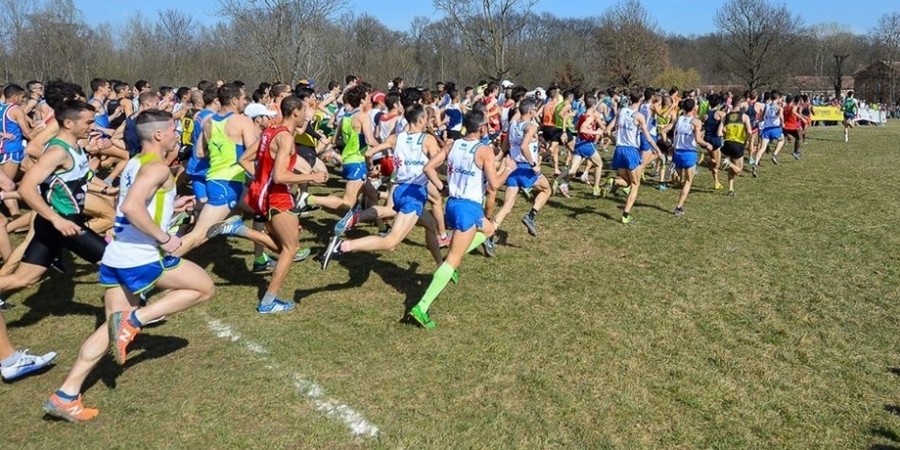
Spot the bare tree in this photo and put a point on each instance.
(282, 34)
(887, 35)
(759, 40)
(632, 51)
(485, 27)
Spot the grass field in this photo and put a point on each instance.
(768, 320)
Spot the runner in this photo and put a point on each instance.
(792, 121)
(412, 150)
(139, 259)
(771, 130)
(56, 188)
(627, 158)
(688, 134)
(16, 130)
(735, 129)
(711, 122)
(225, 136)
(270, 197)
(470, 165)
(590, 129)
(523, 149)
(850, 107)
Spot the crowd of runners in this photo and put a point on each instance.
(133, 178)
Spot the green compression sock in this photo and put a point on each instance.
(441, 277)
(477, 241)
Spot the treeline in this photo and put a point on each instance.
(756, 44)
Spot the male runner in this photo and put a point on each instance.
(470, 165)
(412, 150)
(139, 259)
(590, 128)
(771, 130)
(735, 129)
(688, 134)
(850, 107)
(270, 197)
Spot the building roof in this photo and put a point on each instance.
(820, 83)
(895, 64)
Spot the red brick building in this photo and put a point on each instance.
(879, 82)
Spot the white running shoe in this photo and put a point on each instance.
(26, 364)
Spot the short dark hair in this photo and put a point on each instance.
(98, 83)
(258, 95)
(12, 90)
(70, 110)
(141, 84)
(414, 113)
(182, 91)
(289, 105)
(120, 86)
(688, 104)
(227, 93)
(355, 95)
(410, 96)
(150, 116)
(163, 90)
(333, 84)
(391, 100)
(526, 106)
(304, 93)
(473, 120)
(203, 84)
(210, 94)
(349, 79)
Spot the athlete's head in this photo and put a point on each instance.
(279, 91)
(355, 96)
(14, 94)
(688, 105)
(183, 94)
(416, 115)
(527, 106)
(474, 122)
(142, 86)
(58, 91)
(75, 116)
(292, 107)
(648, 94)
(518, 93)
(849, 94)
(307, 95)
(35, 88)
(776, 95)
(100, 86)
(410, 96)
(493, 88)
(590, 102)
(804, 98)
(230, 95)
(210, 95)
(714, 101)
(789, 99)
(157, 127)
(122, 89)
(635, 97)
(392, 101)
(204, 84)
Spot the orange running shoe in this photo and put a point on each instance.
(121, 333)
(73, 411)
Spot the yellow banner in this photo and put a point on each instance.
(827, 114)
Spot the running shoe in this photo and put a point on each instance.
(627, 190)
(228, 227)
(421, 317)
(121, 333)
(679, 212)
(585, 178)
(177, 221)
(277, 306)
(347, 222)
(564, 190)
(661, 186)
(555, 185)
(598, 192)
(797, 155)
(726, 163)
(719, 187)
(73, 411)
(489, 247)
(334, 249)
(57, 265)
(629, 219)
(529, 223)
(386, 231)
(263, 266)
(731, 193)
(774, 160)
(755, 171)
(527, 192)
(301, 255)
(26, 364)
(444, 241)
(752, 161)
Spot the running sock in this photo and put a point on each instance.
(476, 242)
(133, 320)
(11, 360)
(68, 398)
(441, 277)
(268, 299)
(532, 214)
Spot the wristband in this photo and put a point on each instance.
(167, 240)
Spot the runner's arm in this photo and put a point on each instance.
(150, 178)
(18, 115)
(698, 134)
(430, 168)
(36, 145)
(248, 159)
(388, 144)
(54, 158)
(484, 158)
(282, 173)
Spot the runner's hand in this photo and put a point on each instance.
(319, 177)
(183, 203)
(172, 245)
(7, 184)
(66, 227)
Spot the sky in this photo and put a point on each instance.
(673, 16)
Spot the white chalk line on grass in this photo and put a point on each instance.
(333, 409)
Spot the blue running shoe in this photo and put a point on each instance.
(233, 226)
(277, 306)
(347, 222)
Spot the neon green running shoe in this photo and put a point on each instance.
(421, 317)
(628, 219)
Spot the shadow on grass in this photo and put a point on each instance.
(56, 297)
(575, 211)
(893, 409)
(154, 347)
(885, 433)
